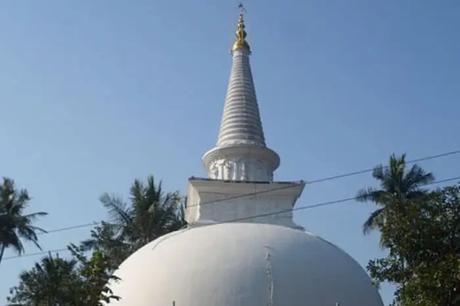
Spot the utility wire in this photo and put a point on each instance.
(305, 207)
(255, 193)
(412, 161)
(327, 203)
(62, 229)
(292, 185)
(35, 254)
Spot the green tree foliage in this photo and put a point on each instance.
(397, 187)
(95, 273)
(104, 239)
(85, 277)
(150, 214)
(424, 251)
(14, 224)
(53, 281)
(74, 282)
(421, 231)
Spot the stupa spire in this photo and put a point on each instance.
(241, 122)
(241, 153)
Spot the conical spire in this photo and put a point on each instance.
(241, 120)
(241, 153)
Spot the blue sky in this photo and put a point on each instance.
(94, 94)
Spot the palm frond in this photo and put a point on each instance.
(14, 241)
(137, 190)
(416, 177)
(33, 216)
(374, 221)
(29, 234)
(14, 224)
(370, 194)
(378, 172)
(117, 209)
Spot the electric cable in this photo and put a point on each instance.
(305, 207)
(255, 193)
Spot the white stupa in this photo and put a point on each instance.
(242, 247)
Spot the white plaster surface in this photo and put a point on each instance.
(242, 264)
(212, 201)
(241, 153)
(241, 122)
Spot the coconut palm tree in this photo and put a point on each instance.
(14, 224)
(150, 214)
(397, 187)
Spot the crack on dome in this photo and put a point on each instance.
(166, 237)
(269, 273)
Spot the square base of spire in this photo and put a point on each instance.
(218, 201)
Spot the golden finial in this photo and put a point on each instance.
(240, 42)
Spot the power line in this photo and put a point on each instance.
(327, 203)
(412, 161)
(255, 193)
(36, 253)
(324, 179)
(49, 232)
(201, 204)
(445, 154)
(62, 229)
(298, 208)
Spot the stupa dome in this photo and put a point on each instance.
(242, 264)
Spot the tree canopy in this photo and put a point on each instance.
(421, 230)
(150, 213)
(83, 278)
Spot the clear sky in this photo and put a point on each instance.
(94, 94)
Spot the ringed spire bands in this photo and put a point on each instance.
(241, 153)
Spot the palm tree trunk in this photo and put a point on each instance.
(2, 250)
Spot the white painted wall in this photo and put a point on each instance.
(242, 264)
(212, 201)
